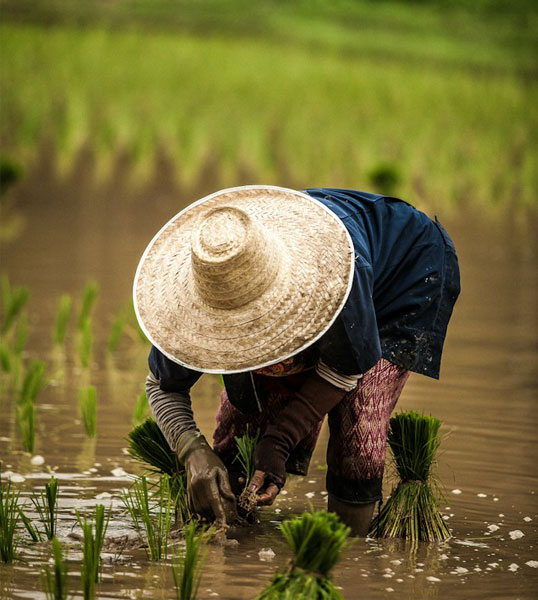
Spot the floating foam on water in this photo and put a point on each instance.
(493, 527)
(266, 554)
(513, 567)
(532, 563)
(482, 495)
(527, 519)
(516, 534)
(37, 460)
(460, 570)
(310, 494)
(456, 491)
(433, 579)
(119, 472)
(103, 495)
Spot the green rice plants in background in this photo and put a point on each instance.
(62, 319)
(93, 532)
(151, 514)
(89, 296)
(141, 409)
(85, 343)
(412, 510)
(187, 564)
(116, 331)
(13, 301)
(9, 512)
(5, 358)
(55, 582)
(32, 382)
(316, 540)
(21, 334)
(25, 417)
(87, 400)
(46, 505)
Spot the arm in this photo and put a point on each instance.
(208, 488)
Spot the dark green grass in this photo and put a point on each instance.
(316, 540)
(187, 564)
(93, 531)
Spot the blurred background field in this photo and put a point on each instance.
(432, 101)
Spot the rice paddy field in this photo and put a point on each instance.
(116, 115)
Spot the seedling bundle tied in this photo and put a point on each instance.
(412, 510)
(317, 540)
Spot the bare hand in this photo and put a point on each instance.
(267, 492)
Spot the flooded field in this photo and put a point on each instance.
(76, 230)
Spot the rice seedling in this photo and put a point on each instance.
(9, 512)
(5, 359)
(116, 331)
(62, 319)
(87, 400)
(148, 445)
(25, 418)
(246, 446)
(93, 531)
(13, 301)
(21, 334)
(85, 343)
(33, 531)
(141, 409)
(32, 382)
(46, 505)
(89, 295)
(317, 540)
(412, 510)
(188, 563)
(151, 514)
(55, 582)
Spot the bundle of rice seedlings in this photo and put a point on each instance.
(317, 540)
(246, 446)
(412, 510)
(148, 445)
(55, 583)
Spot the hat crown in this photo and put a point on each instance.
(234, 259)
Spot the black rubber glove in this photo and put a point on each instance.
(314, 399)
(208, 487)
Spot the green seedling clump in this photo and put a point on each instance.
(62, 319)
(412, 510)
(85, 343)
(89, 295)
(93, 531)
(317, 540)
(55, 582)
(13, 301)
(25, 409)
(141, 409)
(46, 505)
(87, 399)
(188, 563)
(151, 514)
(9, 512)
(246, 446)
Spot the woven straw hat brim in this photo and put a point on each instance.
(313, 281)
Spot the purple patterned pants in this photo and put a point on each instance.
(358, 430)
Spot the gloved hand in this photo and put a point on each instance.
(314, 399)
(208, 487)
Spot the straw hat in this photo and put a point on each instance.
(243, 278)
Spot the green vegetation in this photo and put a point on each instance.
(187, 566)
(140, 410)
(292, 93)
(25, 408)
(9, 512)
(317, 540)
(55, 583)
(93, 531)
(46, 505)
(13, 301)
(34, 532)
(87, 400)
(89, 296)
(412, 511)
(152, 516)
(148, 445)
(62, 319)
(85, 343)
(246, 446)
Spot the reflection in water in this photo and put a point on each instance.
(486, 399)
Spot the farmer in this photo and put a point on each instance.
(310, 304)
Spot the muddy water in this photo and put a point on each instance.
(76, 230)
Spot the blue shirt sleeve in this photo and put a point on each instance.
(172, 376)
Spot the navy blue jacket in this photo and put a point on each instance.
(405, 284)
